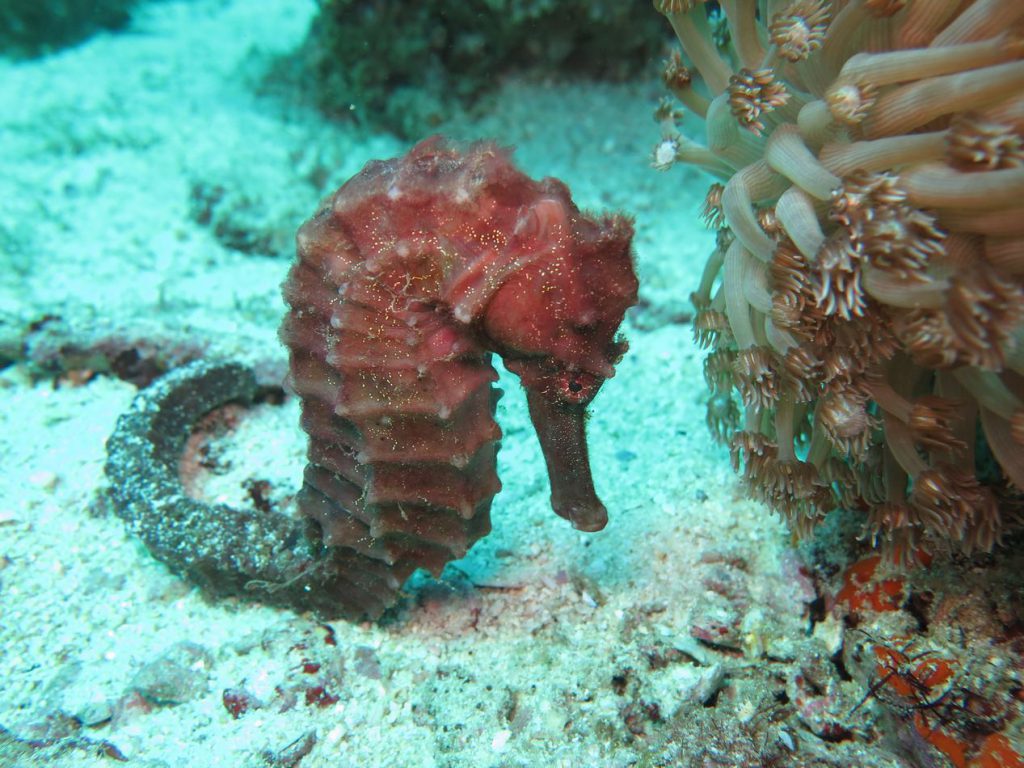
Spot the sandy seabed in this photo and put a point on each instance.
(150, 197)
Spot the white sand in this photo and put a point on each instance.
(543, 647)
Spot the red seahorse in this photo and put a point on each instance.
(407, 279)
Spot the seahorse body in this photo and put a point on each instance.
(407, 278)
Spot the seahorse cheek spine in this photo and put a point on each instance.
(390, 341)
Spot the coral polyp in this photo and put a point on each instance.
(864, 304)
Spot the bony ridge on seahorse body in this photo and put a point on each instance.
(407, 279)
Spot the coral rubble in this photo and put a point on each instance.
(36, 27)
(363, 67)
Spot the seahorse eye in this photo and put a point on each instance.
(576, 387)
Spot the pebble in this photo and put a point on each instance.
(181, 674)
(500, 740)
(366, 663)
(709, 683)
(43, 479)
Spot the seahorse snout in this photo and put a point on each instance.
(561, 431)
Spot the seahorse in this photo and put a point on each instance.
(408, 278)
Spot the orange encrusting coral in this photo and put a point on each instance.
(998, 752)
(863, 590)
(929, 684)
(864, 305)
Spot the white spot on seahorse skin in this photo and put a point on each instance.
(444, 411)
(342, 288)
(335, 321)
(394, 193)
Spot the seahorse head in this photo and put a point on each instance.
(555, 323)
